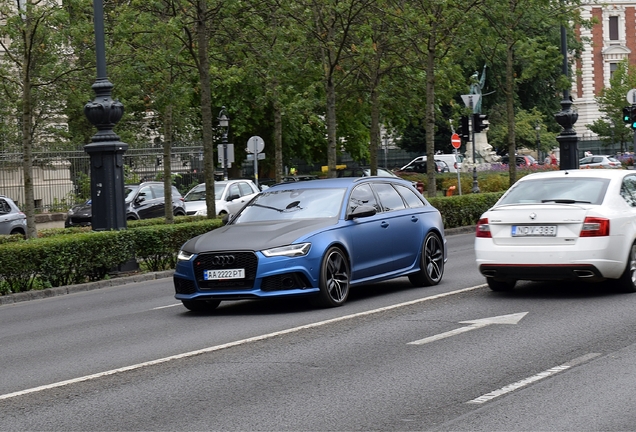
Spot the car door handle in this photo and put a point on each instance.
(414, 218)
(384, 224)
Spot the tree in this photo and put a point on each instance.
(36, 63)
(512, 34)
(431, 29)
(611, 128)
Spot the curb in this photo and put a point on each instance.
(89, 286)
(124, 280)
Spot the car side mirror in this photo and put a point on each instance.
(362, 211)
(233, 197)
(226, 218)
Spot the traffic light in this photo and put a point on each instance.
(480, 122)
(464, 131)
(629, 116)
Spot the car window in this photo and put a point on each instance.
(244, 189)
(363, 195)
(145, 192)
(158, 191)
(580, 189)
(597, 159)
(628, 190)
(234, 190)
(218, 190)
(409, 196)
(390, 199)
(4, 207)
(586, 160)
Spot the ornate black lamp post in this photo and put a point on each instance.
(568, 140)
(106, 150)
(224, 122)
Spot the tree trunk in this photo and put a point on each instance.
(278, 141)
(375, 128)
(167, 169)
(27, 147)
(510, 112)
(206, 107)
(430, 118)
(331, 128)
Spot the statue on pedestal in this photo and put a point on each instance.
(483, 151)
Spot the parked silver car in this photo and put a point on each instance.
(230, 196)
(12, 220)
(600, 161)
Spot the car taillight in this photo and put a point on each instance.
(595, 227)
(455, 165)
(483, 229)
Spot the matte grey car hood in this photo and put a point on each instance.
(255, 236)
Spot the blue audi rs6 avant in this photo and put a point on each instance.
(316, 238)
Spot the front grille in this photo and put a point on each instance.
(244, 260)
(184, 286)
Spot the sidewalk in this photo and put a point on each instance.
(49, 220)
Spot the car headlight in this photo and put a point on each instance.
(184, 256)
(294, 250)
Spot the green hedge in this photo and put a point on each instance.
(83, 256)
(464, 210)
(76, 255)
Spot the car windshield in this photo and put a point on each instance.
(197, 194)
(557, 190)
(130, 192)
(293, 204)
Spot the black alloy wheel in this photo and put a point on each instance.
(432, 262)
(334, 278)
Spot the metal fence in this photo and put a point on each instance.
(62, 179)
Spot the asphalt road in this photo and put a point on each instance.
(452, 357)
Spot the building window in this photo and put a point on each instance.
(613, 67)
(613, 28)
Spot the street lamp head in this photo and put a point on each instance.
(224, 120)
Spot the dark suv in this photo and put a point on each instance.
(143, 201)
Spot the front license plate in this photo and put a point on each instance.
(534, 230)
(224, 274)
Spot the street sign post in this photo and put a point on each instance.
(456, 141)
(255, 145)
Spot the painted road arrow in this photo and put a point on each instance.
(475, 324)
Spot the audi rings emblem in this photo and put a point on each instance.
(223, 260)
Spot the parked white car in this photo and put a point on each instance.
(600, 161)
(567, 225)
(230, 197)
(454, 161)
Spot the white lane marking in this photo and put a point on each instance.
(169, 306)
(527, 381)
(475, 324)
(230, 344)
